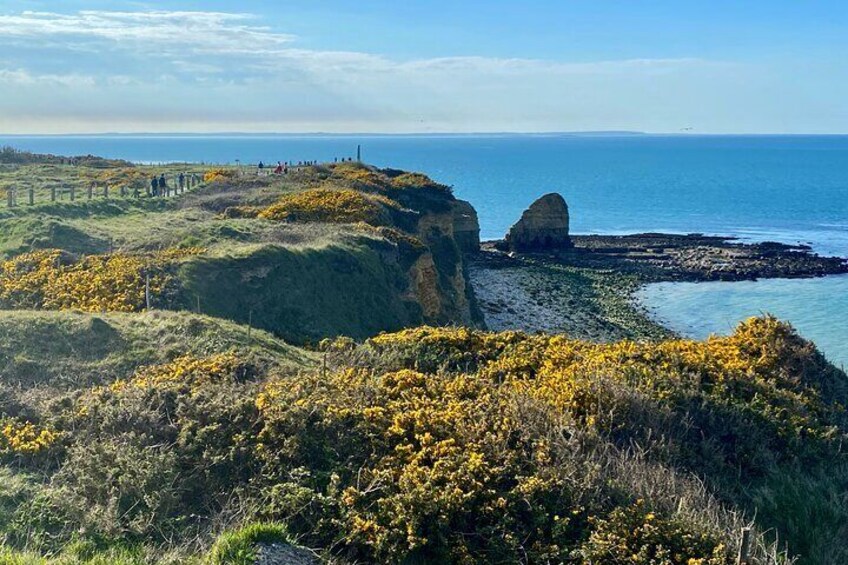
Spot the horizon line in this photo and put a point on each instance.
(611, 133)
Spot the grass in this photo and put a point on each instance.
(302, 294)
(239, 547)
(69, 349)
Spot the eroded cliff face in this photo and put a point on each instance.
(438, 279)
(358, 284)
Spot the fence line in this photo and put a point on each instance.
(58, 192)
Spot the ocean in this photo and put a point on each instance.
(792, 189)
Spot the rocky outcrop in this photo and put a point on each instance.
(466, 227)
(543, 226)
(439, 280)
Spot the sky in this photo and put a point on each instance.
(409, 66)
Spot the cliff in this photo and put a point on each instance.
(319, 252)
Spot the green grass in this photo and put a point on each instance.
(88, 553)
(70, 349)
(239, 547)
(302, 294)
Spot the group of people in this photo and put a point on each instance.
(159, 185)
(283, 167)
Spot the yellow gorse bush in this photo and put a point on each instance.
(635, 536)
(363, 177)
(218, 175)
(454, 442)
(187, 371)
(25, 438)
(95, 283)
(332, 206)
(117, 175)
(748, 368)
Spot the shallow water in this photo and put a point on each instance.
(818, 308)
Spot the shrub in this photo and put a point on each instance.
(218, 175)
(417, 180)
(360, 176)
(95, 283)
(24, 438)
(634, 535)
(332, 206)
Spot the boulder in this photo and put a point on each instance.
(543, 226)
(466, 228)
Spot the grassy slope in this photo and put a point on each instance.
(306, 281)
(73, 350)
(301, 294)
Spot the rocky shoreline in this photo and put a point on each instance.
(586, 290)
(696, 257)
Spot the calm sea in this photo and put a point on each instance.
(780, 188)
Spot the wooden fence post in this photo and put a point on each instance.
(31, 196)
(73, 192)
(105, 191)
(147, 289)
(744, 556)
(90, 190)
(10, 197)
(53, 193)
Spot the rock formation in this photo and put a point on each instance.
(466, 228)
(544, 225)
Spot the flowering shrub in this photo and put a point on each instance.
(333, 206)
(427, 460)
(186, 373)
(218, 175)
(633, 535)
(365, 178)
(454, 445)
(417, 180)
(763, 371)
(115, 282)
(451, 440)
(117, 175)
(360, 176)
(25, 438)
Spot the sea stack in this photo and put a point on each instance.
(542, 227)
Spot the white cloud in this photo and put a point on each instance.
(207, 35)
(210, 70)
(201, 32)
(21, 77)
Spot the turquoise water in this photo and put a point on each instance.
(817, 308)
(781, 188)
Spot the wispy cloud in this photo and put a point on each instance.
(195, 39)
(21, 77)
(172, 68)
(201, 32)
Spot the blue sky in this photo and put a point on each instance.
(379, 66)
